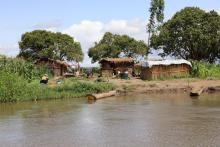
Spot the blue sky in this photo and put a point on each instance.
(85, 20)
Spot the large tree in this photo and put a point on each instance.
(114, 45)
(41, 43)
(156, 17)
(192, 33)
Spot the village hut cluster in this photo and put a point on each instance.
(111, 67)
(149, 70)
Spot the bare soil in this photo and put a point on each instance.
(166, 86)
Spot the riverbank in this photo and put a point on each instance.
(185, 85)
(18, 89)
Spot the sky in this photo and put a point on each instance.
(85, 20)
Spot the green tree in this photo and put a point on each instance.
(192, 33)
(41, 43)
(156, 17)
(113, 46)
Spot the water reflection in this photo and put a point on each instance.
(134, 120)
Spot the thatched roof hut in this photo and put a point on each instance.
(57, 67)
(117, 60)
(110, 66)
(165, 69)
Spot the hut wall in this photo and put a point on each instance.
(108, 68)
(56, 72)
(106, 65)
(161, 71)
(146, 74)
(56, 69)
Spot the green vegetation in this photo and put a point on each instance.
(79, 88)
(40, 43)
(191, 34)
(14, 88)
(113, 46)
(22, 68)
(205, 70)
(19, 81)
(156, 17)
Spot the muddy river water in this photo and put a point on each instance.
(128, 121)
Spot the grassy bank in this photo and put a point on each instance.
(19, 81)
(14, 88)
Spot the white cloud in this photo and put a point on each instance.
(87, 32)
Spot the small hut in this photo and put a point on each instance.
(110, 66)
(151, 70)
(57, 67)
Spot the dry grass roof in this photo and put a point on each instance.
(118, 60)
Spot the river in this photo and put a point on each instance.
(129, 121)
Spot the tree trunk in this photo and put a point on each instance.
(101, 95)
(148, 41)
(78, 66)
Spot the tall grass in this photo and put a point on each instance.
(204, 70)
(19, 81)
(16, 88)
(22, 68)
(11, 86)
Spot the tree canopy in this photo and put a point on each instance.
(41, 43)
(114, 45)
(156, 17)
(192, 33)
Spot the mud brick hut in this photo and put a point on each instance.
(110, 66)
(152, 70)
(57, 67)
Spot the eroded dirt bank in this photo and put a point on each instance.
(167, 86)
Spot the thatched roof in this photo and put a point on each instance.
(165, 62)
(118, 60)
(63, 63)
